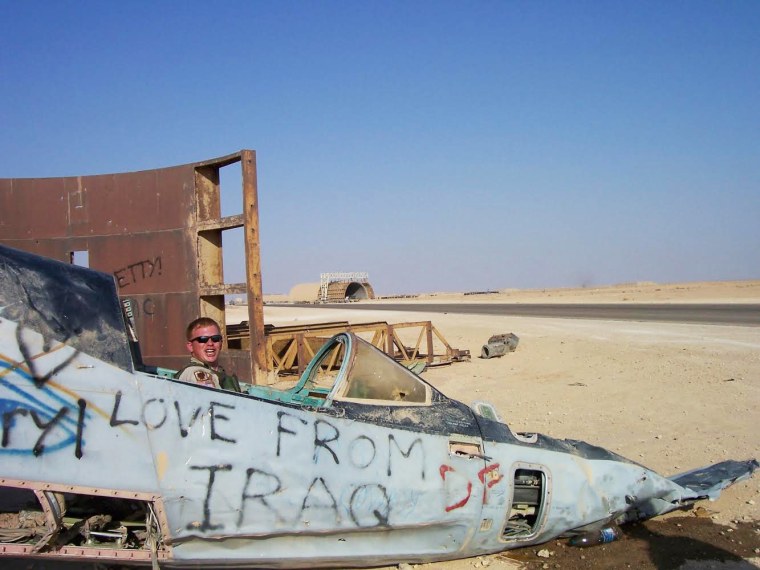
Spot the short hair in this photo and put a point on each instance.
(201, 322)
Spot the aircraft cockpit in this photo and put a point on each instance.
(348, 368)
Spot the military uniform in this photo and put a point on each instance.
(197, 372)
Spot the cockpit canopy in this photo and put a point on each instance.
(64, 303)
(348, 368)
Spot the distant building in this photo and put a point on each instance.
(334, 288)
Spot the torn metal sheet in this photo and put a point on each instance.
(362, 463)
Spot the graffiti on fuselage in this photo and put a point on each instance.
(258, 489)
(38, 418)
(285, 467)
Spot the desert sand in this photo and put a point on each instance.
(670, 396)
(643, 292)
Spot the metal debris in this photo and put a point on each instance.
(499, 345)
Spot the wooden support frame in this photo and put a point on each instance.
(289, 349)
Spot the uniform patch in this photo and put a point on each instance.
(204, 377)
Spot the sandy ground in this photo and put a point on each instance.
(670, 396)
(704, 292)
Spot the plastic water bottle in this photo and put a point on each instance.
(603, 536)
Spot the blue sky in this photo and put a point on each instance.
(439, 146)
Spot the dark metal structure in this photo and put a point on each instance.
(349, 290)
(160, 234)
(346, 286)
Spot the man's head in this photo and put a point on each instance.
(204, 340)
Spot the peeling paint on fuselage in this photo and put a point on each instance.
(232, 467)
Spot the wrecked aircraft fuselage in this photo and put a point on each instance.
(362, 463)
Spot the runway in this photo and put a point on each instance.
(716, 314)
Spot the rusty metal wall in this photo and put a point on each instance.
(158, 232)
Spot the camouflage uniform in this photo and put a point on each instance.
(197, 372)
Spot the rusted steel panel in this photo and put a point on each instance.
(148, 262)
(33, 208)
(58, 249)
(134, 202)
(110, 204)
(158, 232)
(77, 206)
(140, 263)
(164, 318)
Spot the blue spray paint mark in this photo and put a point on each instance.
(47, 391)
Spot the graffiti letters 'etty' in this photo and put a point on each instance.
(138, 271)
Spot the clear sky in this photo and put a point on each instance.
(439, 146)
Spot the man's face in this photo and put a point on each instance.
(207, 352)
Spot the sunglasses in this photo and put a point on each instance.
(205, 339)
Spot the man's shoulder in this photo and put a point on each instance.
(198, 374)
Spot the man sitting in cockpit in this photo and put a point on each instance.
(204, 342)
